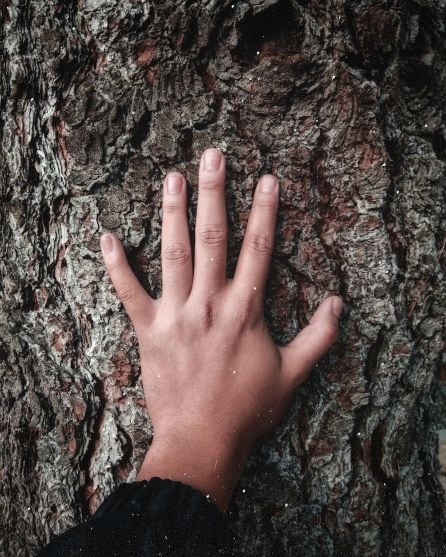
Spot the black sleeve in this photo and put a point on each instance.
(148, 518)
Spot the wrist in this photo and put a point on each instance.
(209, 464)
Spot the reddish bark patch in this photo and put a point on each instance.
(79, 408)
(113, 23)
(123, 471)
(151, 75)
(321, 448)
(123, 369)
(366, 448)
(59, 341)
(61, 133)
(72, 446)
(376, 33)
(400, 349)
(92, 498)
(208, 80)
(101, 61)
(58, 268)
(21, 130)
(372, 223)
(371, 155)
(41, 297)
(145, 51)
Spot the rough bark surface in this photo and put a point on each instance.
(344, 101)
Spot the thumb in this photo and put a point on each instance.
(307, 348)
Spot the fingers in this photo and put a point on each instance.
(308, 347)
(176, 259)
(211, 227)
(139, 306)
(255, 256)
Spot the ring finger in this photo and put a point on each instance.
(254, 260)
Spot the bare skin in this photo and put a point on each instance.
(214, 381)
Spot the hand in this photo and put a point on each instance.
(214, 381)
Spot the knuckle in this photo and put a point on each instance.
(268, 202)
(241, 315)
(212, 234)
(114, 267)
(261, 242)
(176, 251)
(125, 292)
(170, 326)
(206, 318)
(171, 208)
(209, 184)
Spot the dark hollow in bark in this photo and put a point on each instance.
(344, 102)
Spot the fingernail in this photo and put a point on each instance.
(336, 306)
(107, 243)
(212, 159)
(268, 184)
(174, 183)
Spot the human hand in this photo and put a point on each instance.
(214, 381)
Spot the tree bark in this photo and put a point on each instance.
(344, 102)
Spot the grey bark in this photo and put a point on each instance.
(344, 102)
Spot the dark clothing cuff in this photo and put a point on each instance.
(148, 518)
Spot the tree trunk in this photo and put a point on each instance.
(344, 102)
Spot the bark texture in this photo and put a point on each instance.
(344, 100)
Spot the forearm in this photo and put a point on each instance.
(212, 466)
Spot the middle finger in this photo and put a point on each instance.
(211, 227)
